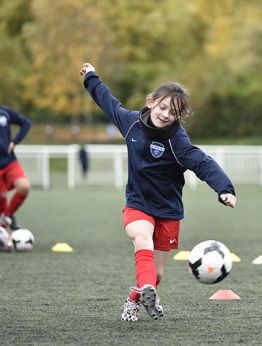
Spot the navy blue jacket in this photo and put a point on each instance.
(8, 117)
(156, 166)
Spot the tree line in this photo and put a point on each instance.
(211, 47)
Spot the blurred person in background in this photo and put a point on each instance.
(12, 175)
(83, 160)
(159, 153)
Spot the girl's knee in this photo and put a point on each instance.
(143, 241)
(141, 233)
(23, 186)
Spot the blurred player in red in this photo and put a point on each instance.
(12, 175)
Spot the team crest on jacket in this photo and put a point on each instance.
(3, 121)
(157, 149)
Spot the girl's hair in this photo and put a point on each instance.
(179, 99)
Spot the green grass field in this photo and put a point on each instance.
(76, 298)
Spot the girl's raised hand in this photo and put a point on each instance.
(229, 199)
(87, 67)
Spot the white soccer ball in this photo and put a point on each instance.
(210, 261)
(23, 240)
(4, 240)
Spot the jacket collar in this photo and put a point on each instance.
(154, 132)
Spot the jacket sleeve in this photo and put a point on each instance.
(203, 165)
(121, 117)
(22, 121)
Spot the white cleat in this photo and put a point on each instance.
(131, 309)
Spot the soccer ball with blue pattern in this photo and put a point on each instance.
(210, 261)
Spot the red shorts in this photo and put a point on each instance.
(166, 231)
(9, 174)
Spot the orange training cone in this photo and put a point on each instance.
(225, 295)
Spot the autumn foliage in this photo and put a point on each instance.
(212, 47)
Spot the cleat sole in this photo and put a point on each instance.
(148, 300)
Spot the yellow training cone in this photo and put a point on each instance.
(235, 258)
(62, 247)
(257, 260)
(182, 256)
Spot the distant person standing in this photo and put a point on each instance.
(12, 175)
(84, 161)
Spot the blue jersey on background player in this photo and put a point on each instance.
(12, 175)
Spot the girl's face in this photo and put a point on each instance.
(162, 115)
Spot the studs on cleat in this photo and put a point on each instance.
(148, 300)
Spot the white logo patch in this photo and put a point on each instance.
(157, 149)
(3, 121)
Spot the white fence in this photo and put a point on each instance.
(108, 164)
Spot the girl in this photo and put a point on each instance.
(159, 153)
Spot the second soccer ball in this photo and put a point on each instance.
(23, 240)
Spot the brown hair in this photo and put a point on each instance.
(179, 99)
